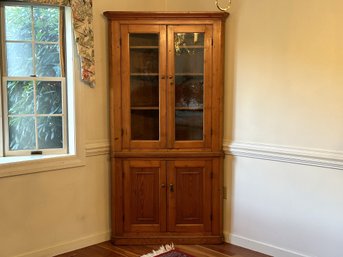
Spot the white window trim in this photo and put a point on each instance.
(23, 165)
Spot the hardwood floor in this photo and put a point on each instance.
(106, 249)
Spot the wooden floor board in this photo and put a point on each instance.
(231, 250)
(106, 249)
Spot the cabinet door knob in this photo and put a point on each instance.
(163, 185)
(171, 80)
(171, 188)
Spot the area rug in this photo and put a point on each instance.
(187, 251)
(167, 251)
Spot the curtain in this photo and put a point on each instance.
(83, 31)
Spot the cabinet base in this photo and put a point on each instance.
(183, 240)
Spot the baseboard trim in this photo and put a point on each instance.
(260, 246)
(69, 246)
(288, 154)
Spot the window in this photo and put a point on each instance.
(34, 84)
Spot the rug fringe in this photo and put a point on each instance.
(163, 249)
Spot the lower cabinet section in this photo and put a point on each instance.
(163, 201)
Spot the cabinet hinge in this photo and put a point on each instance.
(211, 174)
(211, 216)
(212, 42)
(120, 42)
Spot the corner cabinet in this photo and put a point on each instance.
(166, 106)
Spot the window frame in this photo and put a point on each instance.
(24, 165)
(5, 145)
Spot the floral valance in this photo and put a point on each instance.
(83, 31)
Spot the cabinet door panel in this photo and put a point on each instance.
(189, 86)
(189, 196)
(143, 83)
(144, 203)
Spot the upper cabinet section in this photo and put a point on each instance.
(166, 80)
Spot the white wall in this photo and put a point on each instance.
(46, 213)
(288, 59)
(285, 63)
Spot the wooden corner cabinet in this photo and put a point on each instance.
(166, 111)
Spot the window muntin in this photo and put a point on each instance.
(33, 82)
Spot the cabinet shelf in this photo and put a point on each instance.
(188, 108)
(189, 74)
(191, 47)
(144, 47)
(144, 74)
(144, 108)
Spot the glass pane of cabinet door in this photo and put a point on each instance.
(143, 58)
(189, 82)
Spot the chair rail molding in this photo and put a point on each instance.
(96, 148)
(290, 154)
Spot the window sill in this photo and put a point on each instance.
(23, 165)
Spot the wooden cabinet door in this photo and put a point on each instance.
(143, 68)
(189, 86)
(144, 195)
(189, 196)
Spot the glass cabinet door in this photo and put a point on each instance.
(144, 86)
(189, 82)
(144, 89)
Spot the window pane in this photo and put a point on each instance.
(145, 125)
(189, 39)
(144, 91)
(20, 97)
(189, 91)
(189, 125)
(19, 59)
(189, 52)
(48, 60)
(21, 133)
(46, 24)
(137, 39)
(18, 21)
(50, 133)
(49, 97)
(144, 60)
(189, 60)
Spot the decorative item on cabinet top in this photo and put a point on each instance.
(221, 8)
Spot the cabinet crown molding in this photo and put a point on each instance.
(118, 15)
